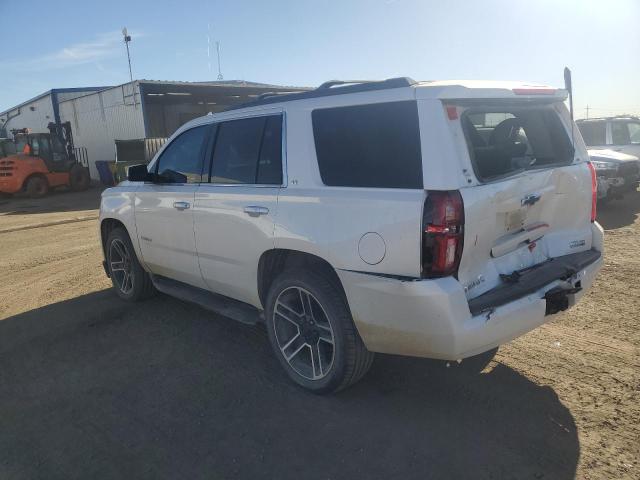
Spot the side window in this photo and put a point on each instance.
(375, 145)
(593, 133)
(35, 147)
(184, 154)
(634, 132)
(248, 151)
(270, 161)
(620, 133)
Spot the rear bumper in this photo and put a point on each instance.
(432, 318)
(561, 268)
(616, 186)
(614, 183)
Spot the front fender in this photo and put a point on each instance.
(118, 203)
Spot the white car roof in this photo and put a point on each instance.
(465, 89)
(438, 89)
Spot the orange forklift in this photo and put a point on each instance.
(37, 162)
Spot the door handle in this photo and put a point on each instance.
(530, 199)
(255, 210)
(181, 205)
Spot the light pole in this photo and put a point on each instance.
(127, 39)
(219, 70)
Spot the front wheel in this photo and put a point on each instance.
(37, 187)
(312, 333)
(129, 279)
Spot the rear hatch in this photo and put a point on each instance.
(529, 198)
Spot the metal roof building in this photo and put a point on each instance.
(133, 110)
(37, 112)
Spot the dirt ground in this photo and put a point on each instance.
(91, 387)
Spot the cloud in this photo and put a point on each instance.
(101, 47)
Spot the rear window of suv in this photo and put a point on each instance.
(375, 145)
(504, 141)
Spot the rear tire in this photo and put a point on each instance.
(316, 342)
(37, 187)
(130, 281)
(79, 178)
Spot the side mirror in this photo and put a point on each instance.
(138, 173)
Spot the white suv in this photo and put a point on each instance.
(620, 134)
(431, 219)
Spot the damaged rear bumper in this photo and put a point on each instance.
(432, 318)
(560, 268)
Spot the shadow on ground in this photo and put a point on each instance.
(96, 388)
(619, 213)
(55, 201)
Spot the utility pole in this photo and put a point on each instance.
(587, 111)
(127, 39)
(219, 70)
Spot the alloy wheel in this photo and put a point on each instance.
(303, 333)
(120, 265)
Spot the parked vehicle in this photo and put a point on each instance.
(430, 219)
(38, 162)
(617, 173)
(621, 134)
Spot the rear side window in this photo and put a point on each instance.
(625, 133)
(270, 159)
(504, 141)
(184, 154)
(593, 133)
(375, 145)
(248, 151)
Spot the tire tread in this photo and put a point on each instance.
(146, 289)
(358, 359)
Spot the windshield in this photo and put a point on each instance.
(505, 140)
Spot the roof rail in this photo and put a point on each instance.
(327, 89)
(634, 117)
(273, 94)
(396, 82)
(333, 83)
(614, 117)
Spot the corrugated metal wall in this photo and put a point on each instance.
(35, 115)
(64, 96)
(102, 117)
(163, 120)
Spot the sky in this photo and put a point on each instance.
(303, 43)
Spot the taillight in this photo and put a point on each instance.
(442, 234)
(594, 191)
